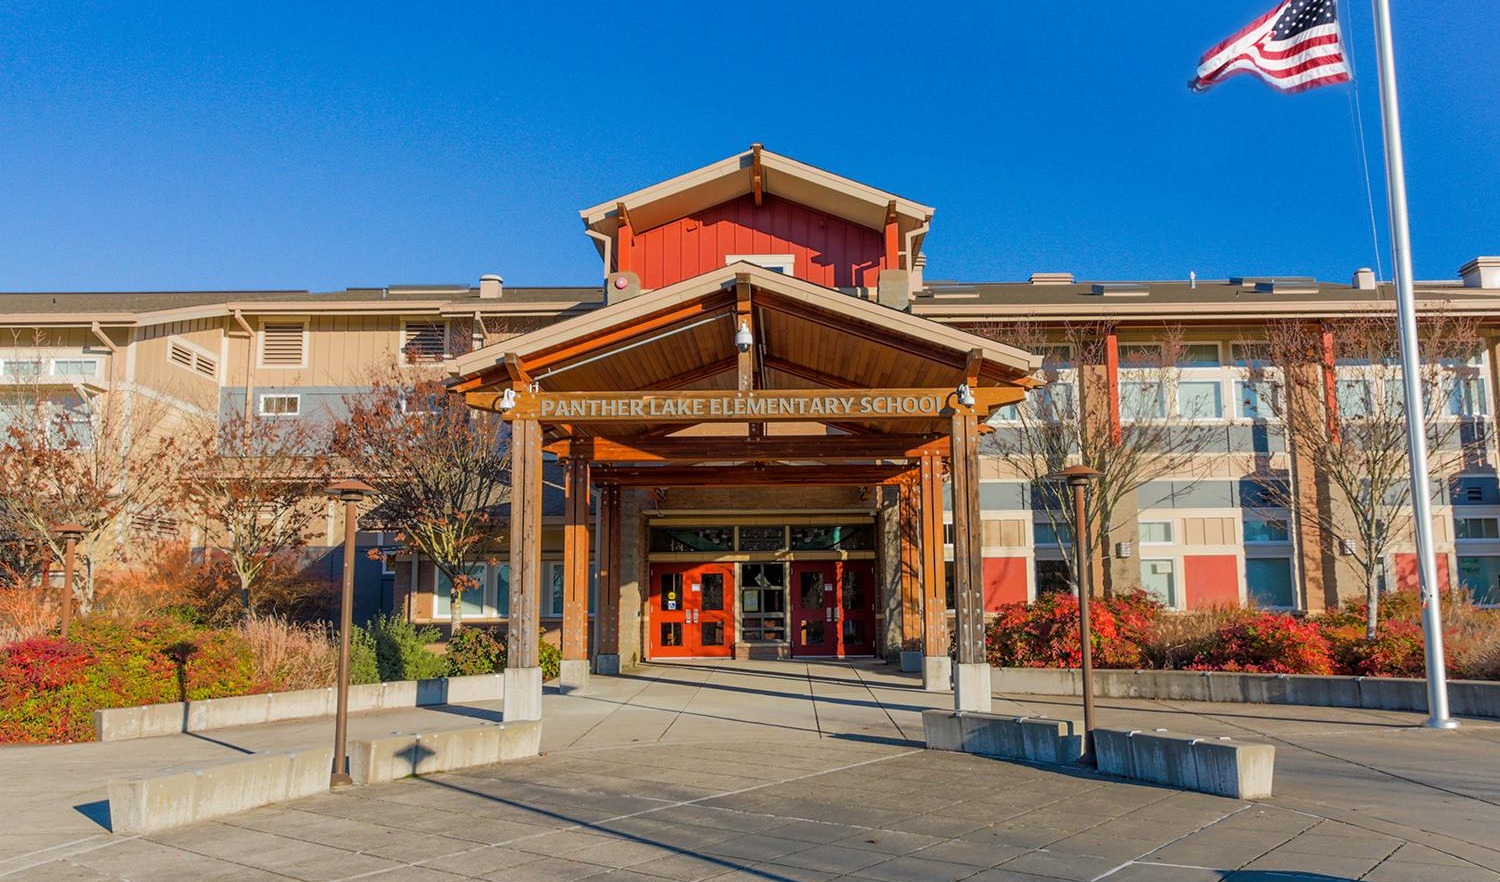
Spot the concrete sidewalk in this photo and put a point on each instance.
(786, 771)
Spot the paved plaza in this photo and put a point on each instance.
(785, 772)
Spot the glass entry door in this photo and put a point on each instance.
(692, 615)
(833, 608)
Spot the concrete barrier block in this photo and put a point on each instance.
(243, 784)
(308, 772)
(145, 805)
(1059, 742)
(457, 749)
(1390, 693)
(1037, 681)
(301, 704)
(1112, 752)
(398, 693)
(1228, 768)
(365, 697)
(981, 734)
(942, 730)
(1322, 691)
(937, 673)
(523, 694)
(1114, 684)
(383, 759)
(520, 740)
(220, 713)
(480, 687)
(1165, 758)
(972, 689)
(1473, 698)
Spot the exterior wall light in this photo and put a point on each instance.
(965, 395)
(743, 339)
(507, 401)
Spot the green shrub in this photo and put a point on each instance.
(475, 651)
(550, 660)
(363, 667)
(401, 651)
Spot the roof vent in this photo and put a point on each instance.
(1286, 286)
(491, 287)
(1481, 272)
(1051, 278)
(1364, 279)
(1120, 289)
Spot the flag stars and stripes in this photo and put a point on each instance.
(1294, 47)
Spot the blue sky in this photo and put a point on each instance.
(319, 145)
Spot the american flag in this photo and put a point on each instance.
(1294, 47)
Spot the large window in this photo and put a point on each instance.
(1268, 581)
(1481, 576)
(1046, 535)
(1142, 400)
(1200, 400)
(1159, 579)
(478, 599)
(1256, 399)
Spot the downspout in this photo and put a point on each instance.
(239, 319)
(609, 247)
(109, 344)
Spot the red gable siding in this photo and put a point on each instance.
(829, 251)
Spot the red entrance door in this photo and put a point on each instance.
(833, 608)
(691, 615)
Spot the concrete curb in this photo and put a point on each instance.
(146, 721)
(405, 754)
(1468, 698)
(174, 798)
(1219, 766)
(1034, 739)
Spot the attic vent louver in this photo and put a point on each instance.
(1051, 278)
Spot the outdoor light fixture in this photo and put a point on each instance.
(350, 492)
(743, 339)
(507, 401)
(965, 395)
(1078, 478)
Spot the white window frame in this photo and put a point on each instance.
(1176, 414)
(786, 264)
(82, 359)
(1177, 598)
(1171, 533)
(447, 353)
(38, 367)
(260, 346)
(488, 607)
(260, 404)
(1263, 515)
(1467, 516)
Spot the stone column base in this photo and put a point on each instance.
(937, 673)
(972, 687)
(523, 694)
(573, 676)
(911, 662)
(607, 664)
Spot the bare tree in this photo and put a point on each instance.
(1337, 390)
(1133, 433)
(98, 459)
(249, 488)
(439, 467)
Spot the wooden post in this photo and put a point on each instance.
(523, 676)
(972, 677)
(936, 668)
(911, 567)
(607, 615)
(575, 627)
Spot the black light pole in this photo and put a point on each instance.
(351, 493)
(1079, 477)
(70, 534)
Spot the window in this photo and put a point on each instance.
(1200, 400)
(1477, 528)
(476, 601)
(20, 367)
(762, 539)
(1251, 355)
(1056, 358)
(1481, 576)
(424, 341)
(1044, 533)
(1354, 398)
(281, 405)
(75, 367)
(552, 605)
(692, 539)
(1156, 532)
(1142, 401)
(841, 537)
(1256, 399)
(1140, 355)
(776, 263)
(1198, 355)
(1467, 398)
(1158, 580)
(1264, 529)
(1052, 577)
(283, 345)
(192, 358)
(1268, 582)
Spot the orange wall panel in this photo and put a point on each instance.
(1004, 581)
(1406, 572)
(1211, 580)
(828, 250)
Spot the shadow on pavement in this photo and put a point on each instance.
(745, 690)
(98, 812)
(729, 864)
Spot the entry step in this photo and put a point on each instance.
(762, 650)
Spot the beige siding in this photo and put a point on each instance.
(1208, 531)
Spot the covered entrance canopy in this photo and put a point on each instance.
(743, 376)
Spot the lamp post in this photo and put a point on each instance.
(351, 492)
(70, 534)
(1079, 477)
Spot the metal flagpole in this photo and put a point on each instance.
(1416, 428)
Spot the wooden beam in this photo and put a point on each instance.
(713, 369)
(843, 325)
(607, 616)
(626, 334)
(816, 448)
(525, 544)
(909, 522)
(809, 374)
(517, 371)
(753, 476)
(624, 240)
(781, 405)
(575, 625)
(745, 361)
(930, 552)
(972, 363)
(892, 238)
(968, 563)
(757, 173)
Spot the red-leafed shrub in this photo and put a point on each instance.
(1046, 635)
(1266, 643)
(1396, 651)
